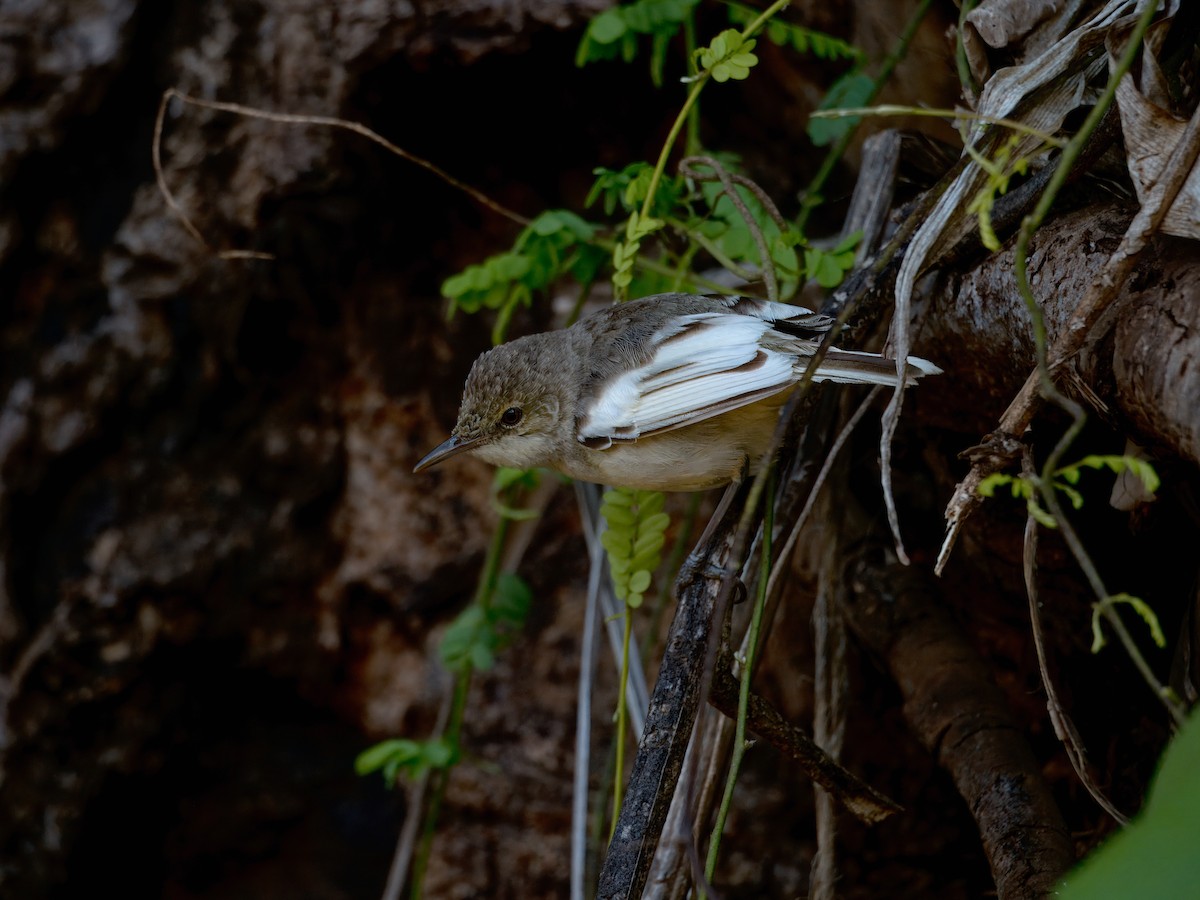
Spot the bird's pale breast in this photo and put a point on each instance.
(697, 457)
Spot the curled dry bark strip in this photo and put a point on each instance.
(960, 716)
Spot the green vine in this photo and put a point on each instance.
(496, 613)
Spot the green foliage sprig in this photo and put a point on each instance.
(616, 32)
(829, 267)
(797, 37)
(556, 243)
(727, 58)
(1138, 605)
(475, 636)
(403, 757)
(634, 540)
(629, 187)
(1000, 171)
(1065, 479)
(638, 227)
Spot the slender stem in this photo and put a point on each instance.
(751, 644)
(965, 78)
(689, 45)
(622, 716)
(1070, 154)
(693, 95)
(1046, 480)
(462, 685)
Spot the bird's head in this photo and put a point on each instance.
(512, 407)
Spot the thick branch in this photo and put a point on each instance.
(960, 715)
(1142, 366)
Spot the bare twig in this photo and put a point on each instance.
(688, 168)
(583, 713)
(1064, 728)
(829, 715)
(293, 119)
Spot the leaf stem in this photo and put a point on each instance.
(622, 718)
(693, 95)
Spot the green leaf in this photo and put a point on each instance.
(987, 487)
(507, 477)
(482, 657)
(377, 756)
(512, 600)
(852, 90)
(616, 543)
(619, 518)
(400, 755)
(656, 522)
(639, 581)
(849, 243)
(1140, 606)
(607, 27)
(460, 645)
(1073, 495)
(614, 497)
(1155, 856)
(649, 542)
(1044, 518)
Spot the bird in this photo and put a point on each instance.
(671, 392)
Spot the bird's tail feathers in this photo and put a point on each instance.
(861, 367)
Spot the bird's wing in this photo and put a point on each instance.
(699, 366)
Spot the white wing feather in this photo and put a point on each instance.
(703, 365)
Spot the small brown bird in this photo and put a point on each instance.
(675, 392)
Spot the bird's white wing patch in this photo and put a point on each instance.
(703, 365)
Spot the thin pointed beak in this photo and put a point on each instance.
(451, 446)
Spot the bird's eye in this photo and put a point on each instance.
(512, 416)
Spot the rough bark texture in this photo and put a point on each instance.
(1142, 365)
(219, 581)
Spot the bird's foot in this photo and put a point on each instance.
(699, 565)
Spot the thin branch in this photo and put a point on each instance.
(1064, 728)
(583, 711)
(688, 168)
(294, 119)
(932, 113)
